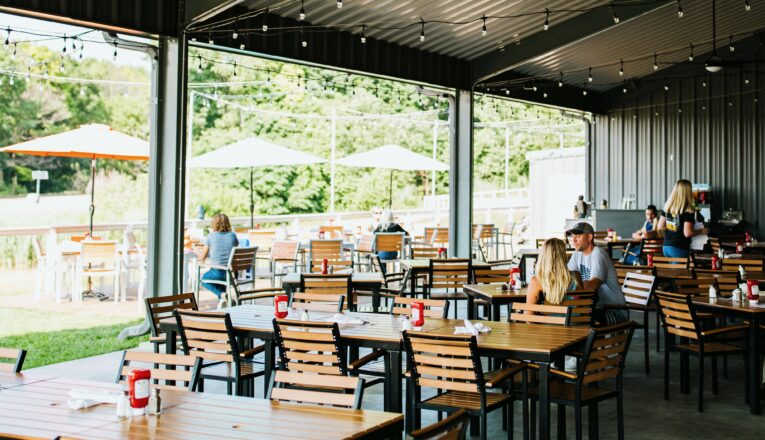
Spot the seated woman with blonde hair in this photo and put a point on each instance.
(553, 279)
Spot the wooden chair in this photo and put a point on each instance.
(749, 265)
(654, 246)
(210, 336)
(322, 293)
(603, 358)
(714, 244)
(162, 307)
(98, 258)
(581, 304)
(727, 280)
(489, 275)
(437, 236)
(453, 427)
(177, 368)
(662, 262)
(389, 242)
(263, 239)
(310, 347)
(623, 269)
(446, 278)
(317, 389)
(282, 255)
(332, 250)
(483, 240)
(638, 289)
(250, 296)
(451, 365)
(364, 251)
(693, 287)
(16, 357)
(679, 318)
(331, 232)
(393, 286)
(424, 252)
(540, 314)
(600, 235)
(240, 271)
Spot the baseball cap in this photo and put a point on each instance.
(581, 228)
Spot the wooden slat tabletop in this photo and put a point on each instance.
(421, 264)
(726, 304)
(39, 409)
(356, 278)
(491, 292)
(12, 380)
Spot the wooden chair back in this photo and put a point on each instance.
(389, 278)
(654, 246)
(638, 288)
(331, 231)
(241, 259)
(322, 293)
(444, 362)
(208, 335)
(434, 308)
(693, 286)
(483, 231)
(263, 239)
(81, 238)
(623, 269)
(662, 262)
(451, 273)
(12, 359)
(580, 303)
(600, 235)
(310, 347)
(677, 314)
(453, 427)
(332, 250)
(714, 243)
(540, 314)
(749, 265)
(424, 252)
(436, 235)
(285, 250)
(389, 242)
(604, 353)
(182, 369)
(727, 280)
(162, 307)
(366, 243)
(100, 254)
(674, 273)
(316, 389)
(490, 275)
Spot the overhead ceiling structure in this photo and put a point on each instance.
(514, 48)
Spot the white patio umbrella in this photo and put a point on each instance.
(392, 157)
(252, 153)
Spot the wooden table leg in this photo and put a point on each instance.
(544, 402)
(754, 368)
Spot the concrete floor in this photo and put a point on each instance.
(647, 414)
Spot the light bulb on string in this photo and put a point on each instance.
(210, 39)
(614, 15)
(363, 37)
(547, 19)
(484, 31)
(199, 64)
(680, 12)
(234, 68)
(114, 55)
(584, 92)
(746, 80)
(703, 83)
(63, 49)
(235, 34)
(10, 80)
(7, 38)
(422, 29)
(265, 21)
(621, 67)
(303, 41)
(61, 66)
(731, 47)
(666, 86)
(82, 49)
(339, 4)
(560, 81)
(301, 14)
(74, 47)
(655, 61)
(690, 57)
(589, 74)
(747, 6)
(624, 88)
(241, 46)
(13, 54)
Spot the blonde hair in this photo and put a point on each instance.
(220, 223)
(681, 199)
(552, 270)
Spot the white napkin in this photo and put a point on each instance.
(346, 319)
(80, 399)
(471, 329)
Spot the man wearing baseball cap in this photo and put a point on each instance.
(598, 273)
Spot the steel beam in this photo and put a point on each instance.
(461, 173)
(571, 31)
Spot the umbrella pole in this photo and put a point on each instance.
(390, 191)
(252, 203)
(92, 193)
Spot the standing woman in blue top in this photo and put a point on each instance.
(678, 220)
(218, 245)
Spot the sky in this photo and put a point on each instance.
(99, 51)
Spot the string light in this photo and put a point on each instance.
(547, 19)
(13, 55)
(61, 66)
(746, 80)
(265, 18)
(301, 14)
(363, 37)
(303, 41)
(666, 86)
(680, 12)
(614, 15)
(8, 38)
(422, 29)
(242, 45)
(690, 57)
(621, 67)
(210, 39)
(199, 65)
(339, 4)
(235, 34)
(624, 88)
(234, 68)
(483, 29)
(589, 74)
(114, 55)
(655, 61)
(747, 6)
(731, 47)
(584, 92)
(63, 49)
(560, 81)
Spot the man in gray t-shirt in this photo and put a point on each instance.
(598, 273)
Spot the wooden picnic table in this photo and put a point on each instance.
(367, 281)
(539, 343)
(493, 295)
(755, 315)
(38, 408)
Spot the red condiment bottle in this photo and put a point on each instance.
(280, 306)
(138, 384)
(753, 290)
(324, 266)
(715, 262)
(418, 314)
(739, 247)
(649, 257)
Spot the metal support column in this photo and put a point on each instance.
(461, 173)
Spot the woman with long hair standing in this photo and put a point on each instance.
(678, 220)
(553, 278)
(218, 247)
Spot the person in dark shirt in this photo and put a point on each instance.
(678, 220)
(388, 224)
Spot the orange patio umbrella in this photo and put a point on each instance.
(92, 141)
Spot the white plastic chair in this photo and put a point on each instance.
(98, 258)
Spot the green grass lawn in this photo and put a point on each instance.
(50, 337)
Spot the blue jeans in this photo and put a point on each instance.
(675, 252)
(214, 275)
(386, 256)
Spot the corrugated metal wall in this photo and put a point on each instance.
(709, 134)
